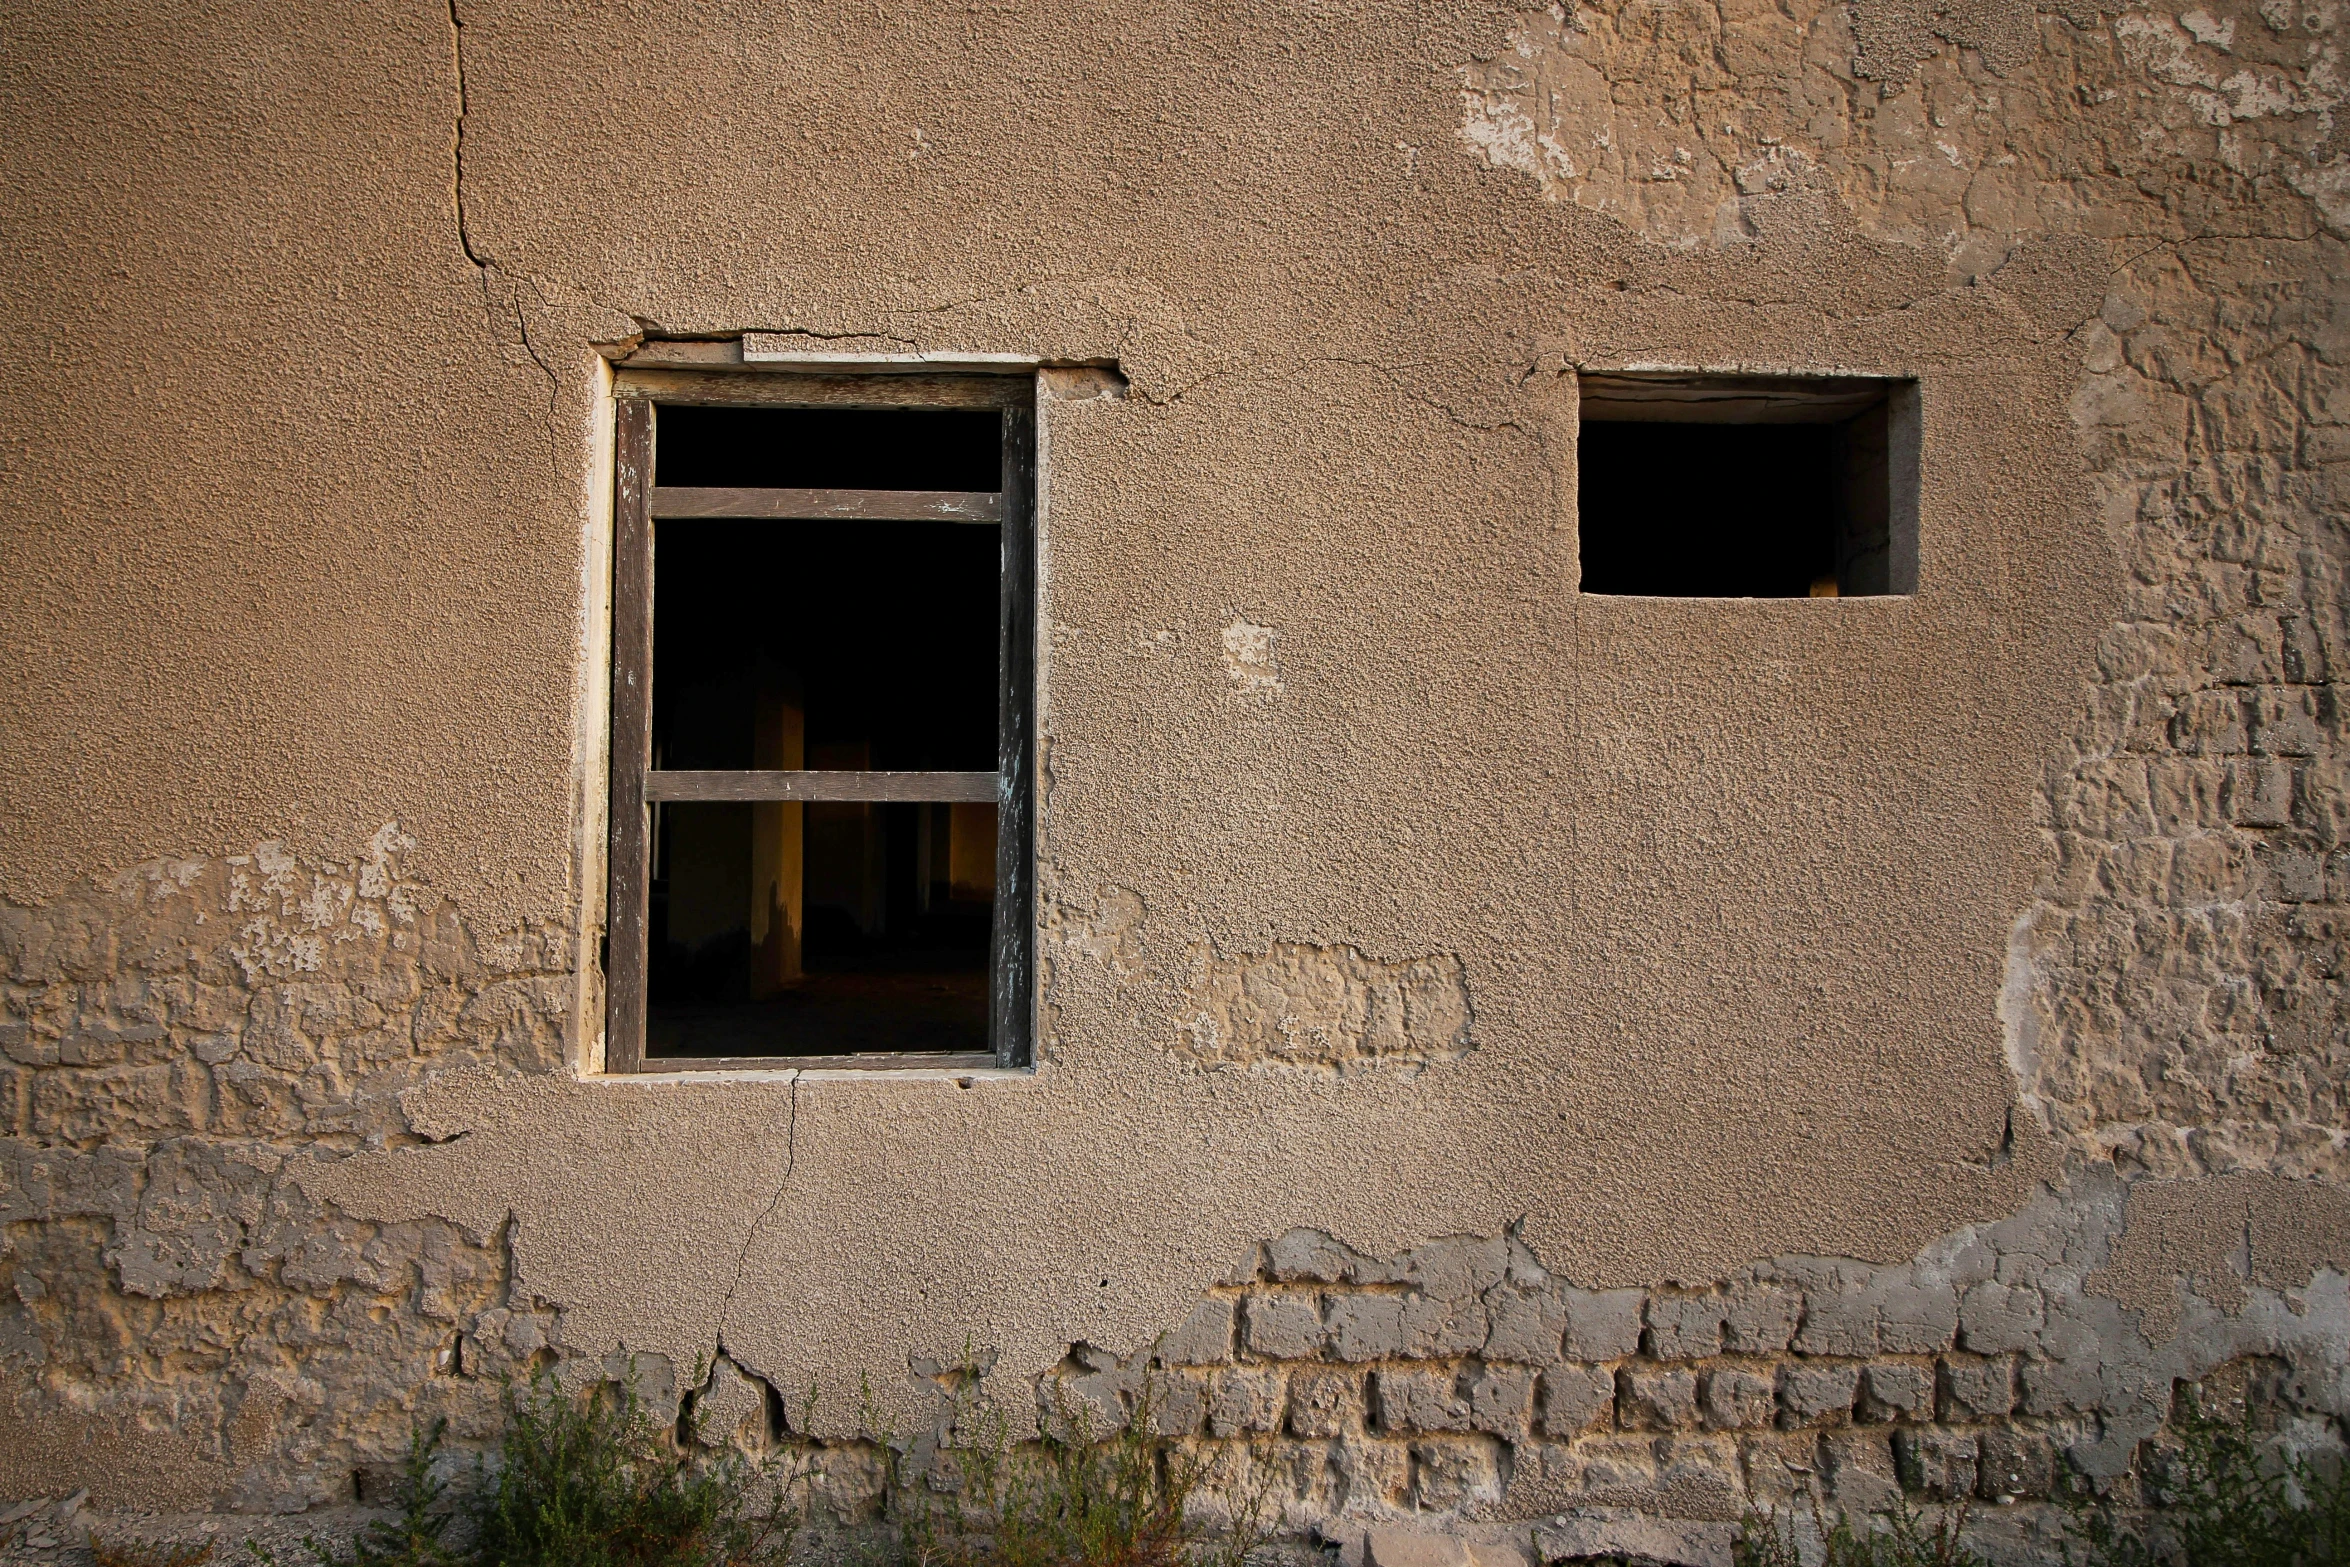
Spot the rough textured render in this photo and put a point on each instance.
(1563, 1066)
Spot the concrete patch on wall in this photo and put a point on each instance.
(1250, 662)
(1323, 1006)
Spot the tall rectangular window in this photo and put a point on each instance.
(820, 721)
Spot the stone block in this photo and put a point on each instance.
(1436, 1327)
(1998, 1319)
(1657, 1399)
(1739, 1399)
(1525, 1326)
(1422, 1400)
(1204, 1339)
(1916, 1319)
(1816, 1393)
(730, 1410)
(1308, 1257)
(1244, 1402)
(1684, 1327)
(1366, 1327)
(1859, 1470)
(1377, 1476)
(2015, 1465)
(1573, 1399)
(1283, 1327)
(1325, 1403)
(1175, 1405)
(1937, 1461)
(1501, 1400)
(1459, 1268)
(1838, 1322)
(1760, 1319)
(1458, 1474)
(1977, 1388)
(2061, 1387)
(1602, 1324)
(1699, 1477)
(1401, 1547)
(1897, 1390)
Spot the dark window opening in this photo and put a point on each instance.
(830, 448)
(1747, 487)
(820, 830)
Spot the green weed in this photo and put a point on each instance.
(2221, 1500)
(1898, 1537)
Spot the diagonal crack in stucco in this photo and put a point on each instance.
(791, 1158)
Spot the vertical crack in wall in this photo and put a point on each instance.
(791, 1158)
(485, 266)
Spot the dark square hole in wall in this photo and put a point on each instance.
(830, 448)
(1747, 486)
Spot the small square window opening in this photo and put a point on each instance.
(1747, 486)
(819, 821)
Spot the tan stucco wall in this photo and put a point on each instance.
(1761, 908)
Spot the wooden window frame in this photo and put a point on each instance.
(636, 785)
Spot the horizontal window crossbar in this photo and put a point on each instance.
(969, 788)
(685, 502)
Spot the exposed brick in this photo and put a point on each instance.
(1283, 1326)
(1308, 1257)
(1422, 1400)
(1995, 1318)
(1366, 1327)
(2013, 1463)
(1815, 1393)
(1602, 1324)
(1760, 1319)
(1573, 1399)
(1916, 1319)
(1657, 1399)
(2061, 1387)
(1377, 1475)
(1939, 1462)
(1204, 1339)
(1524, 1326)
(1325, 1403)
(1177, 1406)
(1244, 1402)
(1501, 1400)
(1738, 1399)
(1684, 1327)
(1455, 1474)
(1434, 1327)
(1896, 1390)
(1838, 1322)
(1977, 1388)
(1860, 1472)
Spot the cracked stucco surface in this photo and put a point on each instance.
(1759, 909)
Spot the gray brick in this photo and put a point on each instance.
(1524, 1326)
(2061, 1387)
(1916, 1319)
(1422, 1400)
(1325, 1403)
(1859, 1469)
(1656, 1399)
(1602, 1324)
(1813, 1393)
(1895, 1390)
(1204, 1339)
(1366, 1327)
(1435, 1328)
(1939, 1462)
(1448, 1475)
(2015, 1464)
(1244, 1403)
(1283, 1327)
(1737, 1399)
(1977, 1388)
(1684, 1327)
(1760, 1319)
(1838, 1322)
(1576, 1398)
(1308, 1257)
(1177, 1406)
(1501, 1400)
(1997, 1319)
